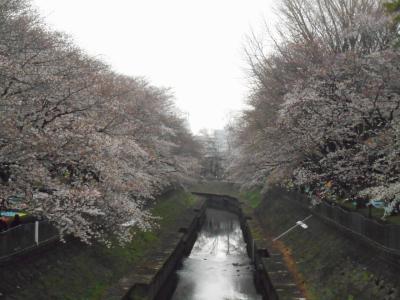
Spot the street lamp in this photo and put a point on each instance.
(302, 224)
(298, 223)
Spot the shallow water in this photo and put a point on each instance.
(218, 267)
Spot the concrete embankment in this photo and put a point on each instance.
(330, 263)
(321, 261)
(141, 269)
(271, 276)
(75, 271)
(152, 280)
(324, 261)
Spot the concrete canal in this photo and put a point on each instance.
(218, 266)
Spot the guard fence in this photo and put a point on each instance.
(26, 237)
(385, 235)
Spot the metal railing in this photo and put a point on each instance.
(385, 235)
(25, 237)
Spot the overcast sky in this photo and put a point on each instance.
(193, 46)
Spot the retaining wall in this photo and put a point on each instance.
(152, 279)
(256, 248)
(155, 283)
(332, 261)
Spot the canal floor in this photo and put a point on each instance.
(218, 268)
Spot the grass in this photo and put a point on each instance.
(81, 272)
(252, 197)
(326, 264)
(332, 266)
(170, 208)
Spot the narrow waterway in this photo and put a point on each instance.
(218, 267)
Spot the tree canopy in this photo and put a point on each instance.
(324, 104)
(81, 145)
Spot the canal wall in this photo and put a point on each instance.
(274, 275)
(257, 246)
(77, 271)
(157, 279)
(152, 279)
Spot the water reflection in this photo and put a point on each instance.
(218, 267)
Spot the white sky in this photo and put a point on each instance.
(193, 46)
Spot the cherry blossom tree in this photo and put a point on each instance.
(80, 145)
(324, 103)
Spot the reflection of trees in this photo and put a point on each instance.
(221, 244)
(221, 233)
